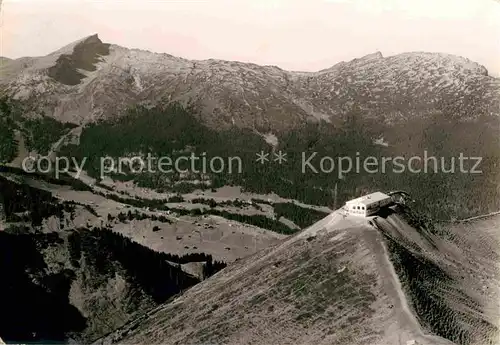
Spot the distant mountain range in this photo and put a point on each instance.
(89, 80)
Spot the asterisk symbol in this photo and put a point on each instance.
(280, 157)
(262, 157)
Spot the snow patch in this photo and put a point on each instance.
(271, 139)
(137, 82)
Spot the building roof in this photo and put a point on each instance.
(369, 199)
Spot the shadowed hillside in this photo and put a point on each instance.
(85, 54)
(36, 305)
(76, 283)
(62, 283)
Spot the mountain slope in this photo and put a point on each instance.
(91, 278)
(334, 283)
(4, 60)
(89, 80)
(442, 284)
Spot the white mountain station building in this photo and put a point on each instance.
(367, 205)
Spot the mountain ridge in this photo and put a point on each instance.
(89, 80)
(299, 292)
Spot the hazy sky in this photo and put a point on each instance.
(293, 34)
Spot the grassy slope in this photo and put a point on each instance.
(332, 287)
(437, 278)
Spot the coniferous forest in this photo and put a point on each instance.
(171, 130)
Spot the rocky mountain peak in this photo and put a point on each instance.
(83, 56)
(92, 39)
